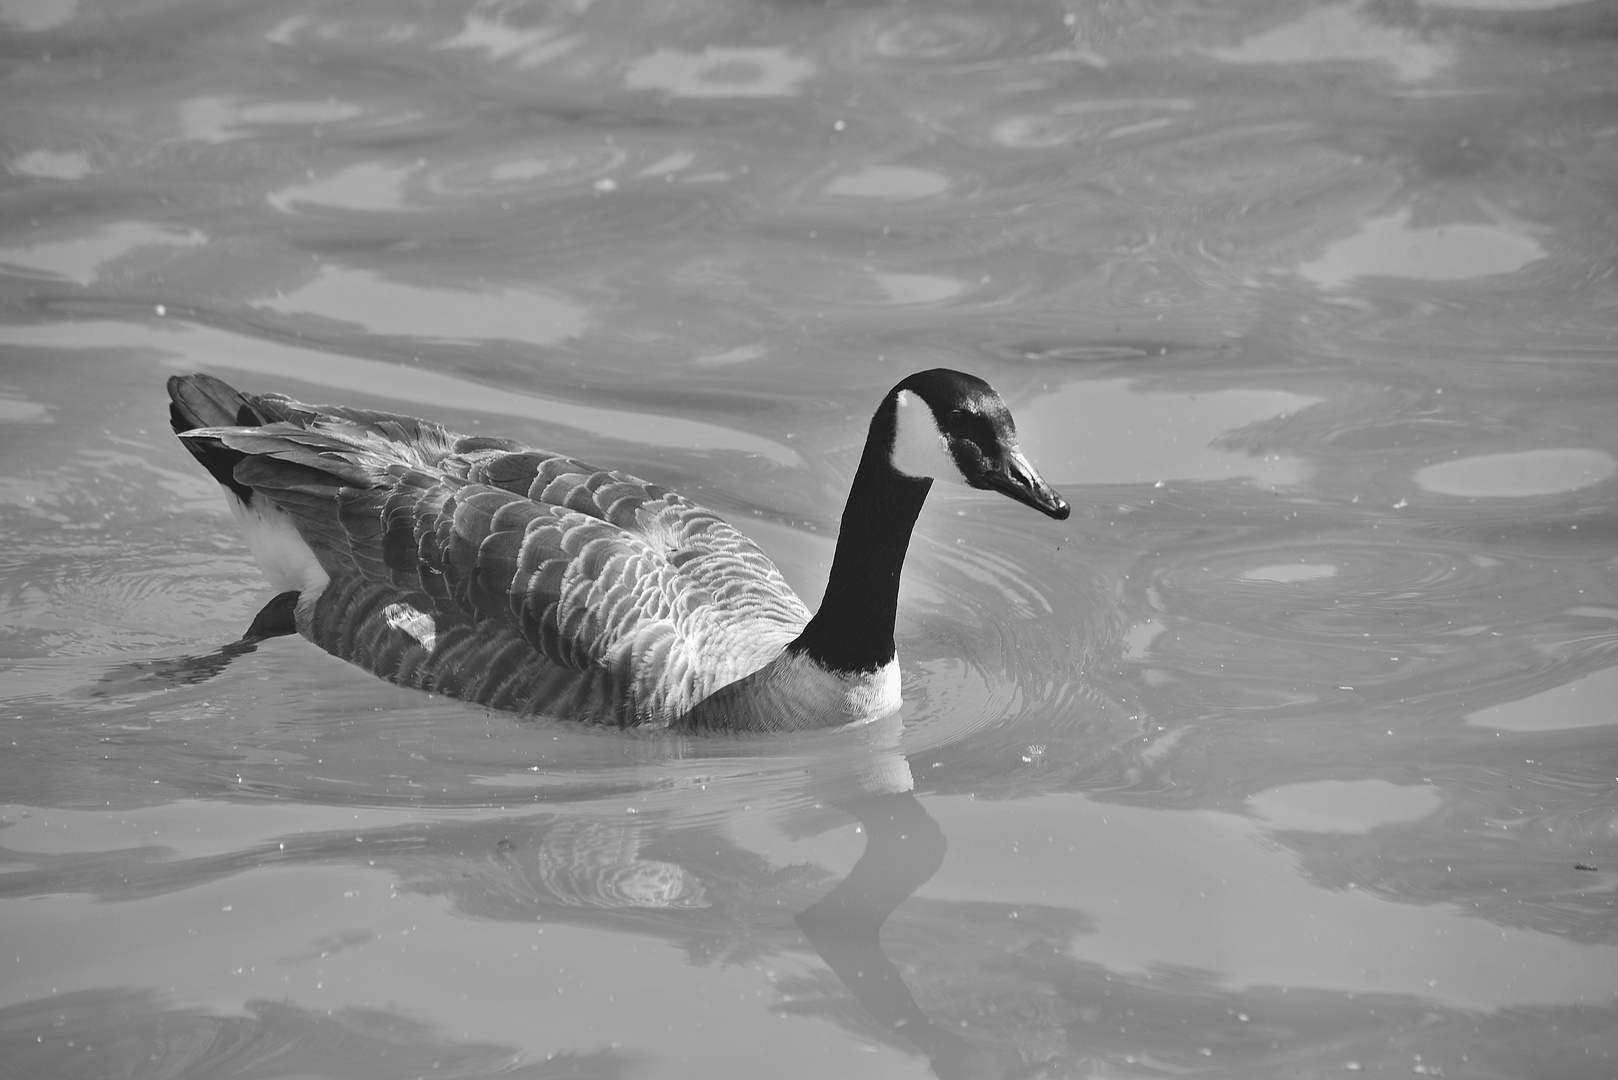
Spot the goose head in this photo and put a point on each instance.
(953, 427)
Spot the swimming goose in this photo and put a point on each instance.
(525, 580)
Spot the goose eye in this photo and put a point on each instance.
(958, 418)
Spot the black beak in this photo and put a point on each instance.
(1018, 478)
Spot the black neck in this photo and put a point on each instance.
(853, 630)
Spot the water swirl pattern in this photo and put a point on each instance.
(1289, 753)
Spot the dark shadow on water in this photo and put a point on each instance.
(167, 673)
(142, 676)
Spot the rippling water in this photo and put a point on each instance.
(1292, 753)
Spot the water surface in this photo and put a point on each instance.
(1291, 753)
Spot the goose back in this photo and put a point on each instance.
(494, 572)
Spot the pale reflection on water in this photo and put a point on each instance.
(1289, 753)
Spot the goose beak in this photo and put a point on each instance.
(1018, 478)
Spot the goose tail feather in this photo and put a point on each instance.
(202, 401)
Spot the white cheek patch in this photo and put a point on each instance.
(418, 624)
(919, 449)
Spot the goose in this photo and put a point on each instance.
(525, 580)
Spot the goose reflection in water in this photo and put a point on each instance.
(720, 901)
(904, 847)
(691, 885)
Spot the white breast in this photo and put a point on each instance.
(794, 693)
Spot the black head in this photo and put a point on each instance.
(949, 425)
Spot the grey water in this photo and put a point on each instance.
(1293, 753)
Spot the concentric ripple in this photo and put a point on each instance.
(1385, 612)
(593, 864)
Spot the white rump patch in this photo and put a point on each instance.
(418, 624)
(919, 448)
(280, 551)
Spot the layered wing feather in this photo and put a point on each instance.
(550, 585)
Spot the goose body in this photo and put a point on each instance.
(527, 580)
